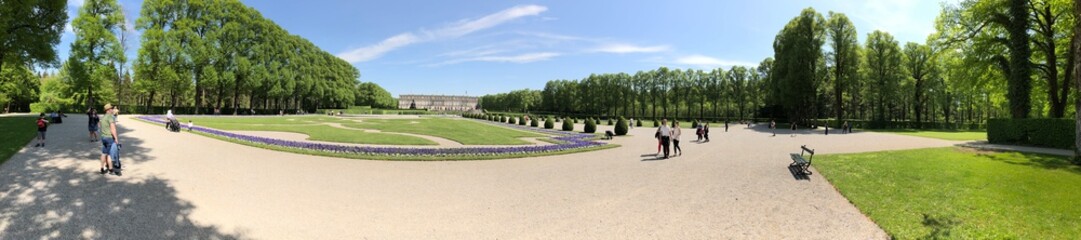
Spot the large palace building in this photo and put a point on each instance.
(438, 102)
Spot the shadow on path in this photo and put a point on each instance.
(50, 193)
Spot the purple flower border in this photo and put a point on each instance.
(567, 141)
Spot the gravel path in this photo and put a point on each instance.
(180, 185)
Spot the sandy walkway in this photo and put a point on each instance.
(180, 185)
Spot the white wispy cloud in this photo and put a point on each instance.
(622, 48)
(520, 58)
(710, 62)
(454, 30)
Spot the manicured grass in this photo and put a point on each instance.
(407, 158)
(959, 193)
(939, 134)
(17, 132)
(463, 131)
(314, 131)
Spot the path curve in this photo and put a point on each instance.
(181, 185)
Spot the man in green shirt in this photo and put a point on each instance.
(107, 132)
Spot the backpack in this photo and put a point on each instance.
(41, 123)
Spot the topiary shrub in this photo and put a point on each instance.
(591, 127)
(512, 120)
(521, 121)
(610, 122)
(596, 121)
(534, 123)
(638, 123)
(549, 123)
(557, 119)
(656, 123)
(621, 127)
(694, 124)
(575, 120)
(568, 125)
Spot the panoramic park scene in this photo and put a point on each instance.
(686, 119)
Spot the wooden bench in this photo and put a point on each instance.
(803, 164)
(608, 135)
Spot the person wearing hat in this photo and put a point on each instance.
(108, 136)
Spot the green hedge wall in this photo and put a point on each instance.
(1043, 132)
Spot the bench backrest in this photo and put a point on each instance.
(805, 149)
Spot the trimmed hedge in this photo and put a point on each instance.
(549, 123)
(656, 123)
(534, 123)
(521, 121)
(591, 127)
(610, 122)
(1040, 132)
(621, 127)
(568, 125)
(638, 123)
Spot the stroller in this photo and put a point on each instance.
(173, 125)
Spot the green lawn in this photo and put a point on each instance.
(17, 132)
(316, 132)
(463, 131)
(939, 134)
(959, 193)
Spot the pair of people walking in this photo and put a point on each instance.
(668, 137)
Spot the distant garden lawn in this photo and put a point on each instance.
(939, 134)
(17, 132)
(959, 193)
(462, 131)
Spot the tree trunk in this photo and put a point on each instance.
(1075, 50)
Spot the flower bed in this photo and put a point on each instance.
(566, 141)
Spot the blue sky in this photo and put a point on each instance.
(483, 47)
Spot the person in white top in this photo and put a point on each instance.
(666, 136)
(169, 115)
(675, 138)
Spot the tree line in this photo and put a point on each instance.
(203, 55)
(975, 67)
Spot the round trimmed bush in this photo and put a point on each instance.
(621, 127)
(568, 125)
(610, 122)
(638, 123)
(558, 119)
(575, 120)
(596, 121)
(533, 123)
(549, 123)
(521, 121)
(694, 124)
(512, 120)
(591, 126)
(656, 123)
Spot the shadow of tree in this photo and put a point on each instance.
(1042, 161)
(941, 226)
(43, 195)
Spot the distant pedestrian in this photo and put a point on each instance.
(705, 132)
(827, 128)
(845, 129)
(109, 137)
(631, 126)
(92, 124)
(190, 125)
(675, 138)
(665, 135)
(699, 131)
(725, 125)
(793, 128)
(659, 142)
(43, 125)
(773, 126)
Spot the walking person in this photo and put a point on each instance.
(92, 124)
(827, 128)
(793, 128)
(43, 125)
(705, 132)
(665, 134)
(845, 129)
(725, 125)
(698, 131)
(675, 138)
(659, 142)
(773, 126)
(107, 132)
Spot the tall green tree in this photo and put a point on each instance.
(844, 58)
(797, 51)
(30, 30)
(919, 65)
(95, 47)
(883, 68)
